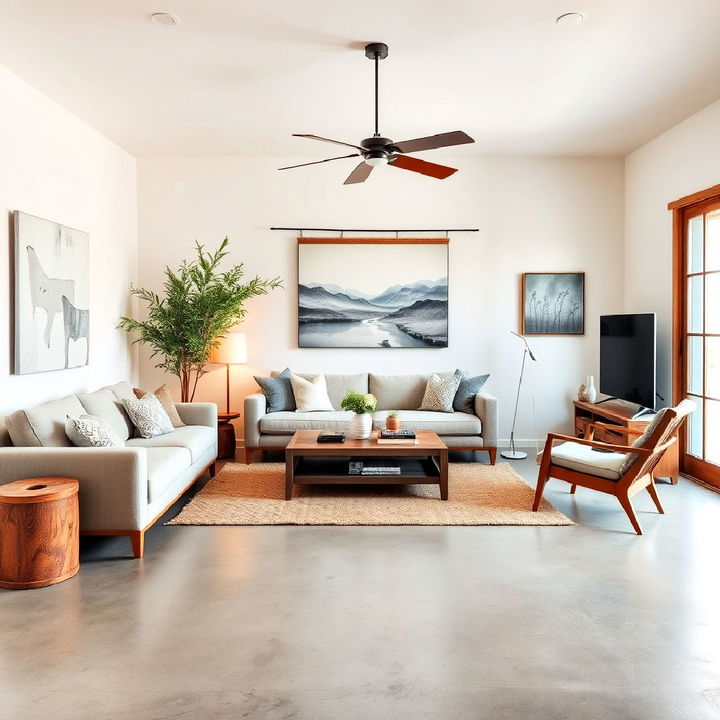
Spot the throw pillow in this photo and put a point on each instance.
(166, 400)
(440, 392)
(278, 391)
(310, 395)
(91, 431)
(148, 416)
(642, 440)
(467, 390)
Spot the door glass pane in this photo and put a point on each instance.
(695, 244)
(712, 300)
(695, 429)
(695, 364)
(712, 436)
(712, 257)
(712, 366)
(695, 304)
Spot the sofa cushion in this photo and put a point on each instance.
(105, 404)
(584, 459)
(165, 465)
(455, 423)
(194, 438)
(44, 425)
(282, 423)
(398, 392)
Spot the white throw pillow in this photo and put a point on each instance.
(148, 415)
(91, 431)
(440, 391)
(310, 395)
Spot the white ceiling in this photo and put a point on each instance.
(236, 77)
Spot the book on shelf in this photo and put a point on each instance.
(382, 466)
(397, 437)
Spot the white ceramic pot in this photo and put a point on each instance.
(360, 426)
(591, 392)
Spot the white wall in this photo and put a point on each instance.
(682, 161)
(533, 214)
(55, 166)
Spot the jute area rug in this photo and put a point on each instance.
(255, 495)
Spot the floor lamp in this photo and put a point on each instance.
(232, 350)
(512, 453)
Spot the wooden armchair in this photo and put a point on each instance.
(622, 472)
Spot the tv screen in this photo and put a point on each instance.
(627, 357)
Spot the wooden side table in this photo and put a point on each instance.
(39, 522)
(226, 435)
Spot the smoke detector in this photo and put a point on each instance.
(164, 18)
(571, 18)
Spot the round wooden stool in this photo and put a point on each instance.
(226, 435)
(39, 543)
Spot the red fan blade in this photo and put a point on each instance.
(422, 166)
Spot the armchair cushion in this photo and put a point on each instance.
(584, 459)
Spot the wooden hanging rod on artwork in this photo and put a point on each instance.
(394, 230)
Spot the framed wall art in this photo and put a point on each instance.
(372, 293)
(52, 315)
(553, 303)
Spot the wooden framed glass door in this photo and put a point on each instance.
(697, 335)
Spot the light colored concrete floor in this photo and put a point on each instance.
(318, 623)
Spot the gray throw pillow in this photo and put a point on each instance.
(465, 396)
(91, 431)
(278, 391)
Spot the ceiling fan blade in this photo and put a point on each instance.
(360, 174)
(458, 137)
(317, 162)
(334, 142)
(422, 166)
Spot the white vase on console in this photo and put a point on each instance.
(360, 426)
(590, 391)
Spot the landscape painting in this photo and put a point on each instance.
(553, 303)
(388, 294)
(52, 316)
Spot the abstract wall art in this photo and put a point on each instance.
(374, 293)
(553, 303)
(52, 316)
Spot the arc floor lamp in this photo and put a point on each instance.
(511, 453)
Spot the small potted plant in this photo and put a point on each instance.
(362, 404)
(392, 422)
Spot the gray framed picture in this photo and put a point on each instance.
(52, 314)
(363, 293)
(553, 303)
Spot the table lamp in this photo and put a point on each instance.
(232, 350)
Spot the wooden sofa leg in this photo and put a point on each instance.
(573, 488)
(492, 452)
(248, 455)
(137, 538)
(212, 469)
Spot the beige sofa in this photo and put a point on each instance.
(123, 491)
(403, 393)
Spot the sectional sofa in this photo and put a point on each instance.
(123, 491)
(402, 393)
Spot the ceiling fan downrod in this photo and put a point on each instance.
(376, 52)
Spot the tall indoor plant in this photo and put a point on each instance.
(200, 304)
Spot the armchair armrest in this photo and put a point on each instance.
(113, 481)
(198, 413)
(486, 408)
(255, 407)
(552, 437)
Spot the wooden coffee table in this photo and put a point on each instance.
(308, 462)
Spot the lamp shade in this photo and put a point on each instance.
(231, 351)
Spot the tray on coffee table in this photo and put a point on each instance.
(308, 462)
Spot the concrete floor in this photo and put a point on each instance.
(320, 623)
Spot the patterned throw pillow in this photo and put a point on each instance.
(91, 431)
(148, 416)
(164, 395)
(278, 391)
(440, 392)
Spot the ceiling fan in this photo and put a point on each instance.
(379, 150)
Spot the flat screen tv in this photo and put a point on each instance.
(627, 357)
